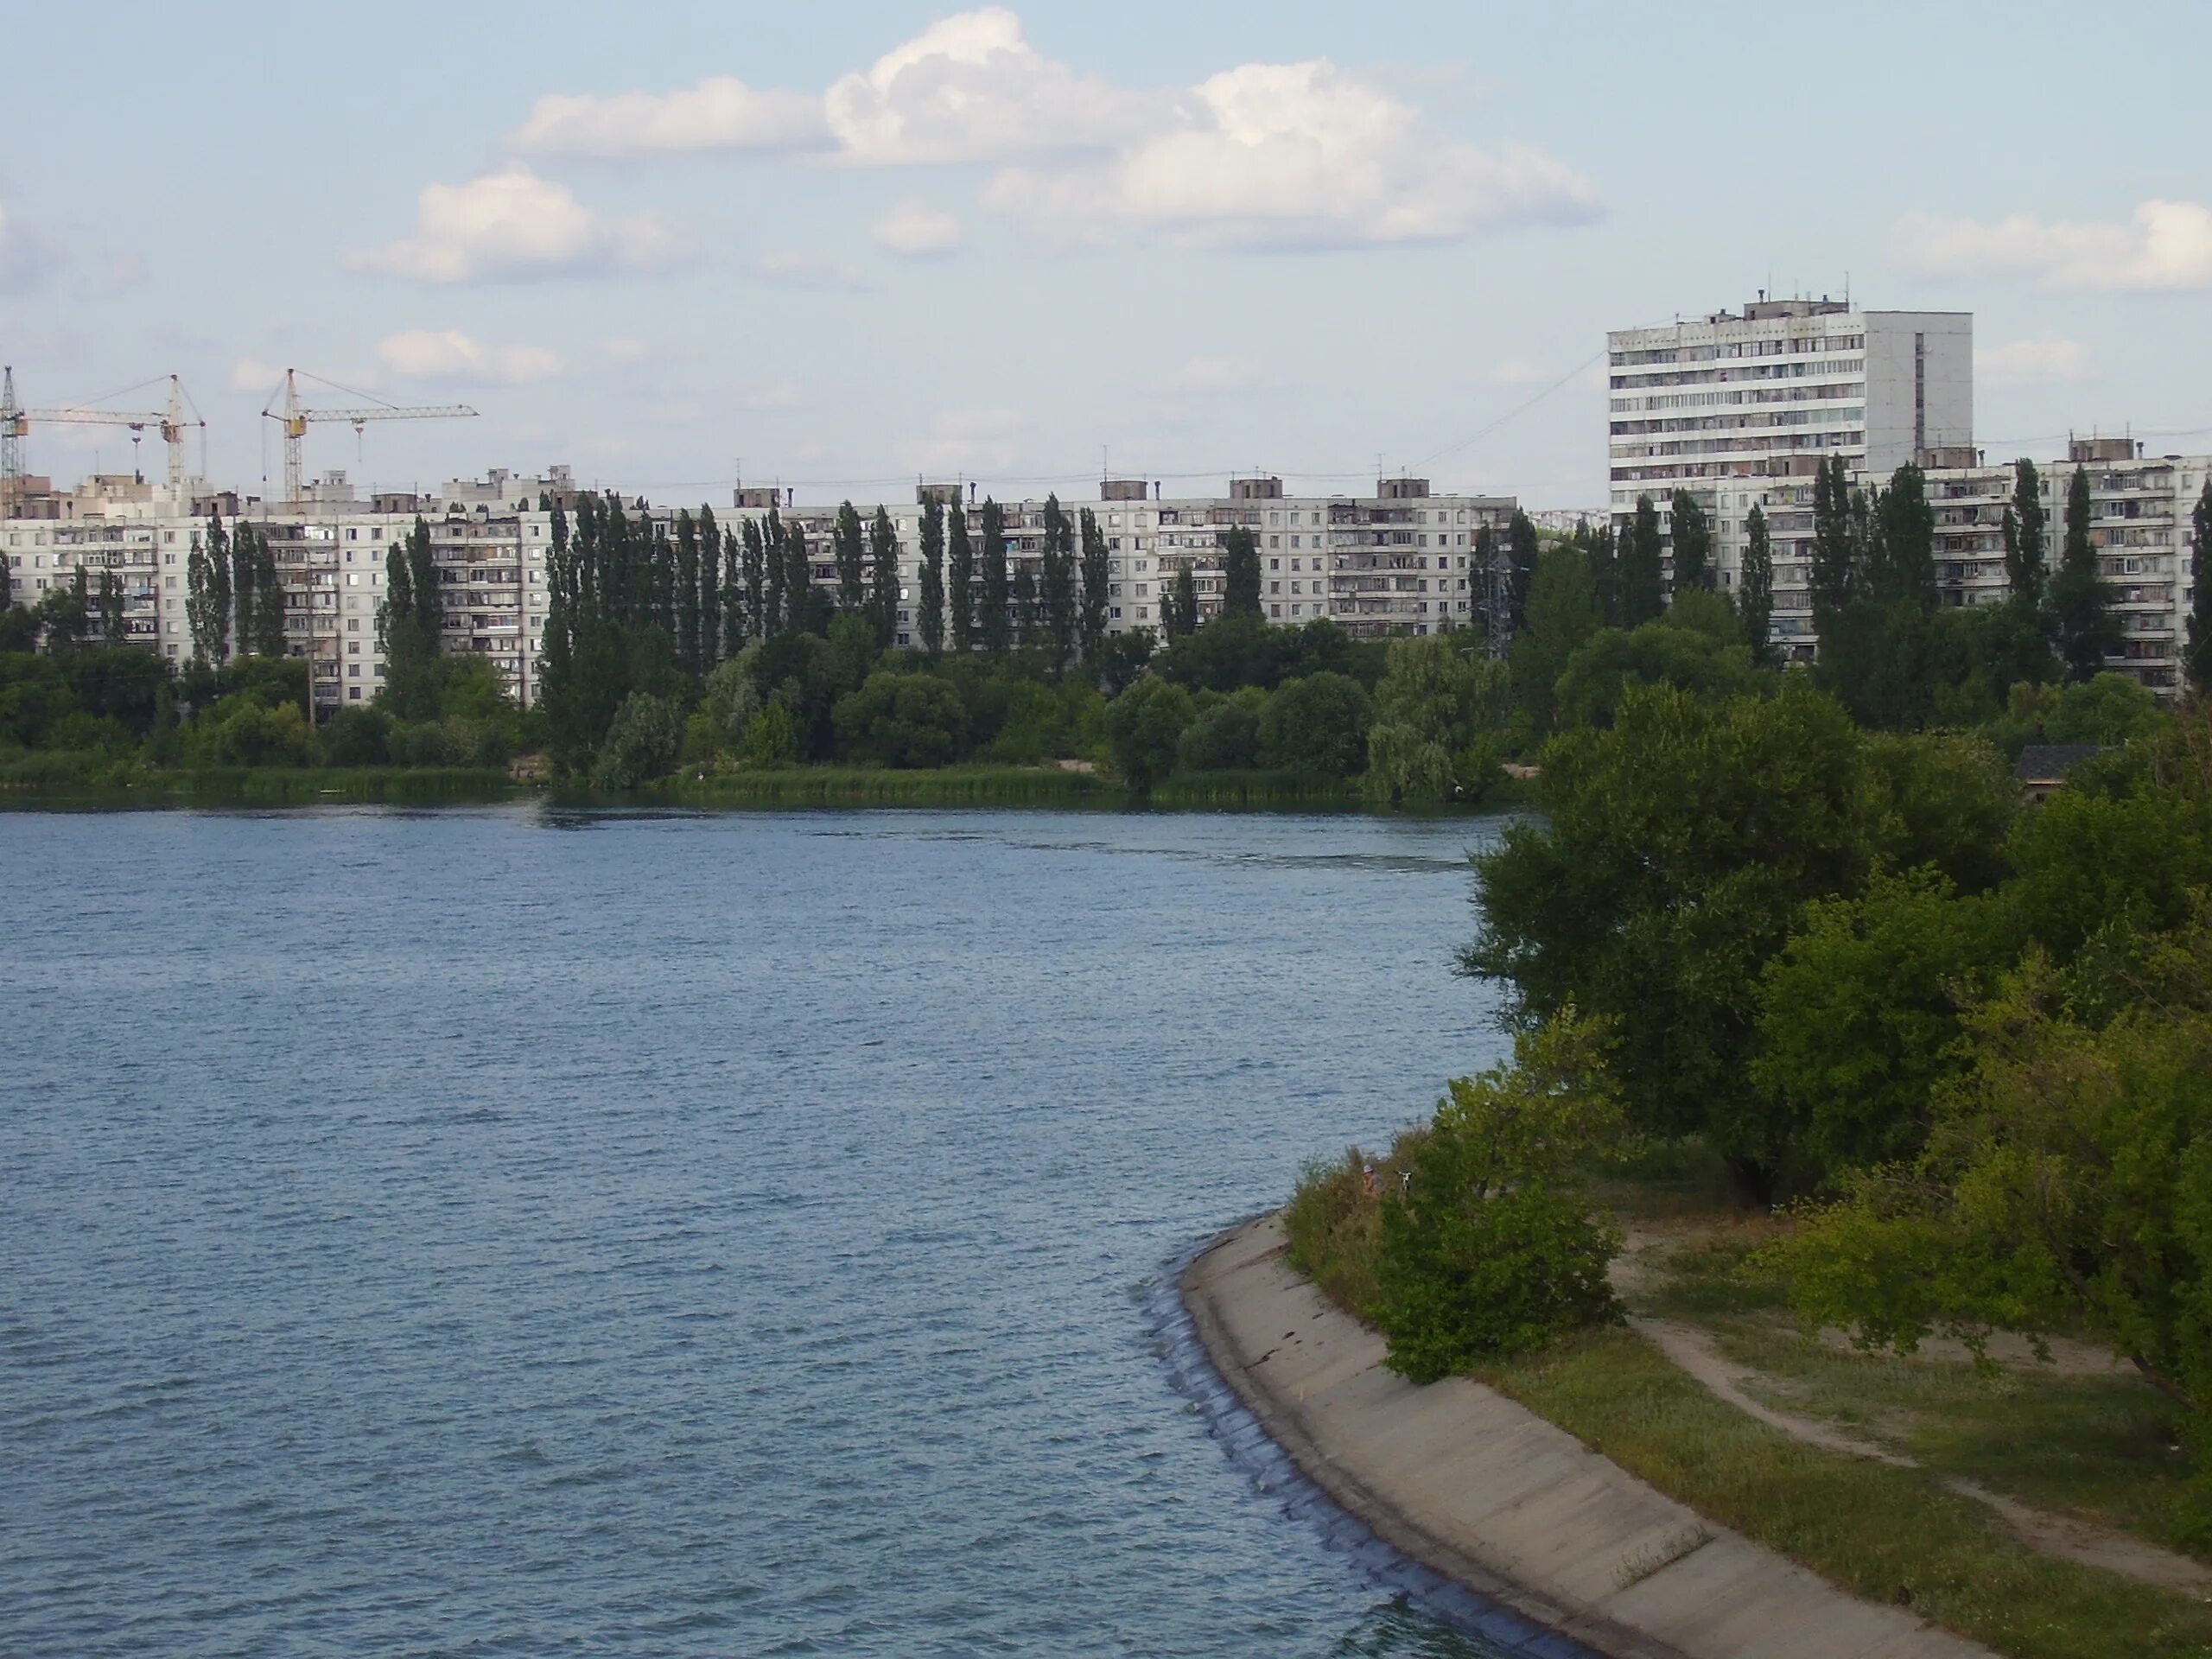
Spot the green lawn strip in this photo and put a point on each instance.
(1889, 1534)
(2103, 1448)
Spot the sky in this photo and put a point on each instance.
(839, 246)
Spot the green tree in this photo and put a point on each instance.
(1563, 612)
(267, 600)
(991, 577)
(960, 560)
(1491, 1249)
(2199, 603)
(2087, 632)
(1691, 535)
(1024, 628)
(902, 720)
(849, 545)
(110, 609)
(1316, 723)
(1906, 567)
(711, 648)
(762, 575)
(1059, 598)
(1521, 555)
(1642, 589)
(1225, 735)
(1834, 578)
(1436, 714)
(929, 614)
(207, 602)
(688, 632)
(1178, 613)
(641, 745)
(798, 578)
(1091, 629)
(244, 570)
(883, 575)
(1605, 572)
(2107, 709)
(1143, 727)
(1754, 593)
(1696, 647)
(1240, 574)
(2025, 539)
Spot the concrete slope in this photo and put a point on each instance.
(1483, 1490)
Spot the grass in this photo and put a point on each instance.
(879, 786)
(93, 780)
(1890, 1534)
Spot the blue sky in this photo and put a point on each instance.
(850, 242)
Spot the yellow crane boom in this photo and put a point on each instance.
(294, 418)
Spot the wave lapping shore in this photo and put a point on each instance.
(1483, 1490)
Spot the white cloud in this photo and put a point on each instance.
(251, 374)
(915, 230)
(720, 113)
(513, 225)
(451, 356)
(624, 348)
(1215, 374)
(2044, 360)
(2166, 244)
(787, 270)
(969, 88)
(765, 395)
(1298, 156)
(969, 440)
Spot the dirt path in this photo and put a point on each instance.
(1694, 1351)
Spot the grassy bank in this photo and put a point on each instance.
(94, 780)
(2079, 1442)
(874, 786)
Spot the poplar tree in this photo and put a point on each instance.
(1179, 616)
(929, 614)
(1605, 574)
(207, 593)
(243, 570)
(268, 599)
(775, 618)
(110, 608)
(1061, 620)
(686, 593)
(710, 589)
(664, 615)
(2026, 566)
(1095, 571)
(429, 599)
(1692, 536)
(1024, 604)
(1906, 565)
(1240, 574)
(960, 583)
(1521, 557)
(1754, 593)
(763, 590)
(2087, 631)
(799, 574)
(2200, 595)
(848, 547)
(883, 573)
(1642, 579)
(1831, 574)
(991, 561)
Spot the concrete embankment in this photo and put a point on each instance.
(1483, 1490)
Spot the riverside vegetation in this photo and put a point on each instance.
(1946, 1060)
(710, 662)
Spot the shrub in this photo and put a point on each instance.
(1317, 724)
(254, 735)
(1225, 736)
(1143, 726)
(643, 743)
(902, 720)
(356, 737)
(771, 739)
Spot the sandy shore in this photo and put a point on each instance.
(1486, 1492)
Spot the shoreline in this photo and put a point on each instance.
(1485, 1493)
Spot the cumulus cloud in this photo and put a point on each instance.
(720, 113)
(969, 88)
(2044, 359)
(966, 439)
(1298, 156)
(914, 230)
(786, 270)
(1217, 375)
(2165, 244)
(451, 356)
(514, 225)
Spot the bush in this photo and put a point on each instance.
(253, 735)
(1225, 736)
(1143, 726)
(356, 737)
(771, 739)
(1317, 724)
(1490, 1248)
(902, 720)
(642, 744)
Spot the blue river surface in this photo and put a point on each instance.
(522, 1230)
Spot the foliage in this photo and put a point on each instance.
(770, 739)
(2109, 708)
(2024, 540)
(1755, 590)
(1641, 581)
(1691, 535)
(1144, 727)
(2087, 631)
(1564, 610)
(1240, 574)
(1433, 710)
(902, 720)
(2198, 659)
(643, 743)
(929, 607)
(1225, 735)
(1694, 647)
(1316, 723)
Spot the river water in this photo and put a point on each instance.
(533, 1231)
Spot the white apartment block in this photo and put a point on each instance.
(1731, 405)
(1395, 562)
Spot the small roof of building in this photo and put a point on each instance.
(2049, 763)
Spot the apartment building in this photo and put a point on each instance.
(1741, 409)
(1395, 562)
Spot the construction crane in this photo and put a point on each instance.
(16, 424)
(295, 420)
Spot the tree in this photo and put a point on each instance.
(762, 581)
(960, 560)
(1059, 598)
(688, 631)
(1491, 1247)
(1905, 567)
(1178, 613)
(929, 614)
(1755, 593)
(1692, 538)
(267, 600)
(2200, 587)
(883, 575)
(992, 576)
(1604, 572)
(2024, 541)
(798, 577)
(902, 720)
(710, 591)
(1832, 575)
(1240, 574)
(1563, 612)
(1521, 554)
(1024, 628)
(847, 545)
(1696, 647)
(245, 570)
(1435, 712)
(1642, 589)
(1225, 736)
(207, 602)
(641, 745)
(1143, 727)
(1091, 627)
(1317, 724)
(110, 609)
(2087, 632)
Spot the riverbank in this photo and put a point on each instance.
(1484, 1491)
